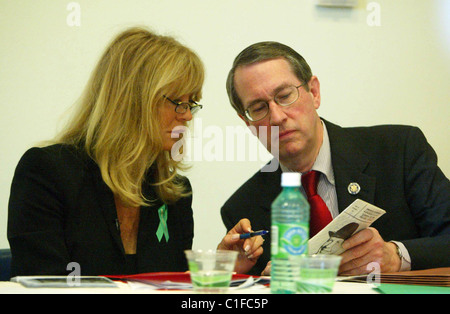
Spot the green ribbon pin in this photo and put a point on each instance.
(162, 228)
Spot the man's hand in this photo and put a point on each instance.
(249, 249)
(365, 247)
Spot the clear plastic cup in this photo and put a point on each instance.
(317, 273)
(211, 270)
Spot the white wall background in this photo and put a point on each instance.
(395, 72)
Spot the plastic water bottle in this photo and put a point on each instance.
(289, 234)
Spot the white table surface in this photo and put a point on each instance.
(7, 287)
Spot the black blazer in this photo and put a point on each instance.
(61, 211)
(397, 171)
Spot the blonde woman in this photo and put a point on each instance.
(106, 193)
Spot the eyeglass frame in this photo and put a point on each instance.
(193, 106)
(247, 114)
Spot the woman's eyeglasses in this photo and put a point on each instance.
(182, 107)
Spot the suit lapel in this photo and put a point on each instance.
(270, 185)
(105, 200)
(349, 165)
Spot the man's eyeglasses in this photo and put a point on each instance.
(182, 107)
(285, 97)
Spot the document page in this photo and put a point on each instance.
(358, 216)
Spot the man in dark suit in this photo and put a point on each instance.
(393, 167)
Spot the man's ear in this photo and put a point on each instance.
(314, 88)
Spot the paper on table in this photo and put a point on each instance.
(170, 285)
(181, 281)
(437, 277)
(428, 277)
(137, 284)
(358, 216)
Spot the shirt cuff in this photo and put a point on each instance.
(406, 259)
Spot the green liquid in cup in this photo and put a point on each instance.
(211, 281)
(316, 280)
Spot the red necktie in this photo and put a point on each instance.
(320, 215)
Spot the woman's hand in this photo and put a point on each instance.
(249, 249)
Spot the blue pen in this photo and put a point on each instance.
(253, 234)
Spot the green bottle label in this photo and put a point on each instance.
(289, 239)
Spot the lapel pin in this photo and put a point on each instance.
(353, 188)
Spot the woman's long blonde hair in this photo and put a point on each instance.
(117, 121)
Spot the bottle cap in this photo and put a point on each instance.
(290, 179)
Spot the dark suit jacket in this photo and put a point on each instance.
(61, 211)
(397, 171)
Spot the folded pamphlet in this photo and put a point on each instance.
(358, 216)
